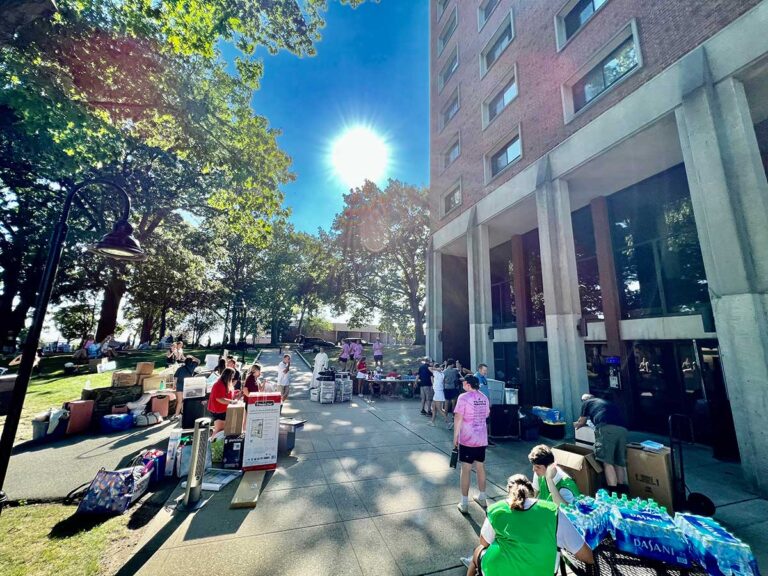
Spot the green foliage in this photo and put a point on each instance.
(381, 238)
(76, 320)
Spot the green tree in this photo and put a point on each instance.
(382, 236)
(75, 321)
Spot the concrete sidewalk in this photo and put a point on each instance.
(368, 490)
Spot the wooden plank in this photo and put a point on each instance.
(248, 491)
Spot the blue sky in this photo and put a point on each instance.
(371, 68)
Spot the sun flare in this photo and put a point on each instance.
(359, 154)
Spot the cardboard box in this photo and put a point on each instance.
(233, 424)
(262, 431)
(124, 378)
(145, 368)
(585, 436)
(580, 464)
(650, 475)
(150, 383)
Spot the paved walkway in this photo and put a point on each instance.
(368, 490)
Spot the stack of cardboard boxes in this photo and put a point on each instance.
(145, 377)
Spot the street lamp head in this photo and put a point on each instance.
(120, 244)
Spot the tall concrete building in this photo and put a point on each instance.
(600, 207)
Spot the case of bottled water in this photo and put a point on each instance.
(590, 519)
(716, 549)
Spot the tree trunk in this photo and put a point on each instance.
(301, 320)
(419, 338)
(163, 321)
(146, 328)
(113, 295)
(273, 332)
(226, 323)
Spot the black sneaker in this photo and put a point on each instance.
(429, 414)
(423, 413)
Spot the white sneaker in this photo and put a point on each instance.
(463, 508)
(359, 395)
(467, 560)
(482, 502)
(430, 423)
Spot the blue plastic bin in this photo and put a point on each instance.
(116, 422)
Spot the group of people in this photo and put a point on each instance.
(522, 533)
(91, 349)
(440, 384)
(231, 386)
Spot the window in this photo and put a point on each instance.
(501, 100)
(484, 12)
(579, 15)
(659, 268)
(452, 153)
(441, 4)
(447, 32)
(497, 44)
(536, 309)
(618, 63)
(450, 110)
(449, 68)
(587, 271)
(503, 312)
(510, 152)
(452, 200)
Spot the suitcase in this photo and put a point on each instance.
(116, 422)
(80, 414)
(160, 404)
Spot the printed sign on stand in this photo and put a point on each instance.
(262, 431)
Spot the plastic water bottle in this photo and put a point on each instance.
(88, 384)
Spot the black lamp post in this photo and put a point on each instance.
(118, 244)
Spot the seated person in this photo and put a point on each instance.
(550, 483)
(106, 350)
(521, 535)
(170, 356)
(393, 374)
(187, 370)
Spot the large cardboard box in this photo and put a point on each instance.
(233, 423)
(150, 383)
(650, 474)
(580, 464)
(145, 367)
(262, 431)
(124, 378)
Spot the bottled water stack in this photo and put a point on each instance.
(590, 519)
(716, 549)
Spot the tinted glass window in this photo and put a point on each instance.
(502, 99)
(451, 110)
(447, 32)
(608, 72)
(579, 15)
(498, 46)
(487, 10)
(449, 68)
(656, 248)
(586, 264)
(502, 291)
(452, 200)
(536, 309)
(505, 156)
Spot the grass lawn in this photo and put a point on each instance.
(36, 540)
(52, 388)
(397, 358)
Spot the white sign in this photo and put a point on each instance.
(262, 430)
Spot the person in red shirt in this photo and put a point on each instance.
(362, 376)
(222, 395)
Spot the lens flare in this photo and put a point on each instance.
(359, 154)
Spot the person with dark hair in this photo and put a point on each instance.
(220, 367)
(424, 382)
(550, 483)
(451, 387)
(470, 436)
(222, 395)
(238, 378)
(521, 535)
(187, 370)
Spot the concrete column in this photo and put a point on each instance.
(479, 282)
(567, 360)
(520, 289)
(729, 194)
(434, 304)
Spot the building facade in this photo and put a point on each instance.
(600, 207)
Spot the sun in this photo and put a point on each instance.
(359, 154)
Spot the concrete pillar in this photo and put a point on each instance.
(520, 290)
(729, 194)
(479, 282)
(434, 304)
(567, 360)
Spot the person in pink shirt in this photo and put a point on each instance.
(470, 436)
(344, 357)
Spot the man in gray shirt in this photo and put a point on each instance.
(451, 382)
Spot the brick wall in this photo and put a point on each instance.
(667, 30)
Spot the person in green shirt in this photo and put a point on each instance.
(550, 482)
(521, 535)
